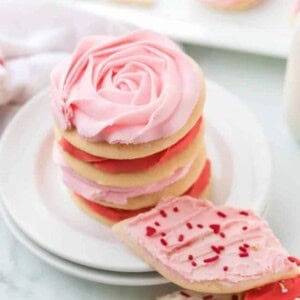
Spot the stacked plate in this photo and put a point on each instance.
(41, 215)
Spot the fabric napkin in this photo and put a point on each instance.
(34, 36)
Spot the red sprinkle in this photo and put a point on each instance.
(234, 297)
(215, 228)
(216, 249)
(182, 293)
(189, 225)
(245, 228)
(175, 209)
(150, 231)
(199, 225)
(163, 234)
(163, 213)
(194, 264)
(190, 257)
(211, 259)
(208, 297)
(157, 224)
(294, 260)
(243, 249)
(244, 254)
(222, 234)
(180, 237)
(163, 242)
(221, 214)
(225, 268)
(244, 213)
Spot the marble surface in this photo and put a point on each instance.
(258, 82)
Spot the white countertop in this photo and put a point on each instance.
(258, 82)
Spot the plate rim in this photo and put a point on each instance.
(77, 270)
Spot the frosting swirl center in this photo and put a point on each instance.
(131, 89)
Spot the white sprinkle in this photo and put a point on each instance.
(284, 290)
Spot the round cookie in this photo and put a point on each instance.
(129, 151)
(149, 176)
(101, 213)
(176, 189)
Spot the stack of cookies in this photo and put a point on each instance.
(128, 124)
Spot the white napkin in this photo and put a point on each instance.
(34, 36)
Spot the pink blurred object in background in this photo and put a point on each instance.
(34, 36)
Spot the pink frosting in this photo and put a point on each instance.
(244, 246)
(130, 89)
(297, 8)
(94, 191)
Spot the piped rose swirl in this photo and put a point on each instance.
(131, 89)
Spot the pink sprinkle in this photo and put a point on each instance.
(163, 242)
(189, 225)
(221, 214)
(225, 268)
(163, 213)
(175, 209)
(180, 238)
(211, 259)
(157, 224)
(244, 254)
(244, 213)
(182, 293)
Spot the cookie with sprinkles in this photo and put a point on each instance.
(217, 250)
(188, 295)
(283, 290)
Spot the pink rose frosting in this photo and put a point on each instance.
(134, 88)
(200, 242)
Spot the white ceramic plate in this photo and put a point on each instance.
(190, 21)
(38, 203)
(96, 275)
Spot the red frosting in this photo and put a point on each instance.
(132, 165)
(283, 290)
(117, 215)
(198, 187)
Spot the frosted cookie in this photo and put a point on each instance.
(150, 175)
(189, 295)
(111, 215)
(233, 5)
(128, 125)
(218, 250)
(283, 290)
